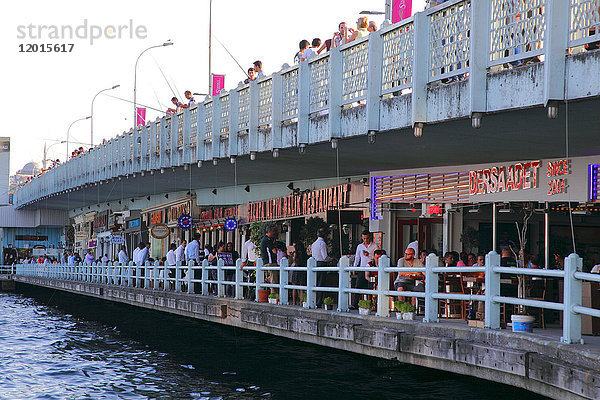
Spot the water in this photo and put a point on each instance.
(59, 346)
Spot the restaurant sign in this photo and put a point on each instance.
(218, 213)
(519, 176)
(178, 210)
(315, 201)
(160, 231)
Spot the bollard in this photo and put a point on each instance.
(260, 277)
(283, 281)
(572, 297)
(343, 284)
(431, 287)
(166, 277)
(189, 276)
(311, 280)
(239, 277)
(178, 277)
(147, 278)
(220, 278)
(492, 289)
(204, 277)
(155, 275)
(383, 283)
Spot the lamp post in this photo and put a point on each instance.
(135, 80)
(92, 113)
(69, 130)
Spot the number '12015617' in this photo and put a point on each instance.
(46, 48)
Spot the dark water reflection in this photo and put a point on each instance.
(59, 346)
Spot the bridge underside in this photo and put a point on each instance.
(506, 136)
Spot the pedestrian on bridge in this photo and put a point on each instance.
(123, 258)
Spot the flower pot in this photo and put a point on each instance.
(408, 316)
(364, 311)
(273, 301)
(522, 323)
(398, 315)
(328, 306)
(263, 295)
(305, 304)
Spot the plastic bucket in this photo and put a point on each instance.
(522, 323)
(263, 295)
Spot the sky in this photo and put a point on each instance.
(43, 93)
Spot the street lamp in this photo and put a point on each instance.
(92, 113)
(168, 43)
(69, 130)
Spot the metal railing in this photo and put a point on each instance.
(243, 282)
(437, 45)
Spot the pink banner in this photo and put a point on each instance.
(218, 84)
(141, 116)
(401, 9)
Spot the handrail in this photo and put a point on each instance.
(228, 280)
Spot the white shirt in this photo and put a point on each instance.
(191, 251)
(180, 253)
(308, 53)
(104, 259)
(249, 251)
(136, 255)
(360, 260)
(142, 256)
(319, 249)
(123, 257)
(171, 257)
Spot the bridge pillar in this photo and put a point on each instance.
(555, 48)
(374, 80)
(335, 93)
(420, 68)
(303, 104)
(478, 59)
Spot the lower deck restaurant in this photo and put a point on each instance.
(548, 207)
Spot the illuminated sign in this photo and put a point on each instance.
(519, 176)
(555, 171)
(230, 224)
(316, 201)
(178, 210)
(218, 213)
(156, 218)
(594, 176)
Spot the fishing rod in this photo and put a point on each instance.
(129, 101)
(231, 55)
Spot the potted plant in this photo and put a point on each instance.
(364, 307)
(303, 299)
(406, 311)
(274, 298)
(328, 302)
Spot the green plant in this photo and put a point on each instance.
(365, 304)
(303, 296)
(274, 295)
(308, 233)
(470, 238)
(397, 304)
(257, 232)
(328, 301)
(405, 307)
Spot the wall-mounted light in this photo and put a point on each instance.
(334, 143)
(371, 137)
(141, 173)
(162, 170)
(185, 167)
(152, 172)
(214, 191)
(290, 186)
(476, 118)
(199, 164)
(302, 148)
(232, 159)
(167, 196)
(215, 161)
(148, 198)
(552, 109)
(275, 153)
(418, 130)
(247, 188)
(252, 155)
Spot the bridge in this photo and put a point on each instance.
(459, 79)
(555, 363)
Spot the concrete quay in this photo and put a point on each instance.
(535, 362)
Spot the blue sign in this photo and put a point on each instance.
(230, 224)
(134, 223)
(185, 222)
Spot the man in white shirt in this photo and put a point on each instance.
(171, 257)
(249, 255)
(143, 254)
(311, 51)
(319, 252)
(123, 258)
(191, 251)
(104, 259)
(364, 255)
(180, 252)
(136, 253)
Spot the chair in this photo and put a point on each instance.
(452, 309)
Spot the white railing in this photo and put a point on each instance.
(244, 282)
(433, 46)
